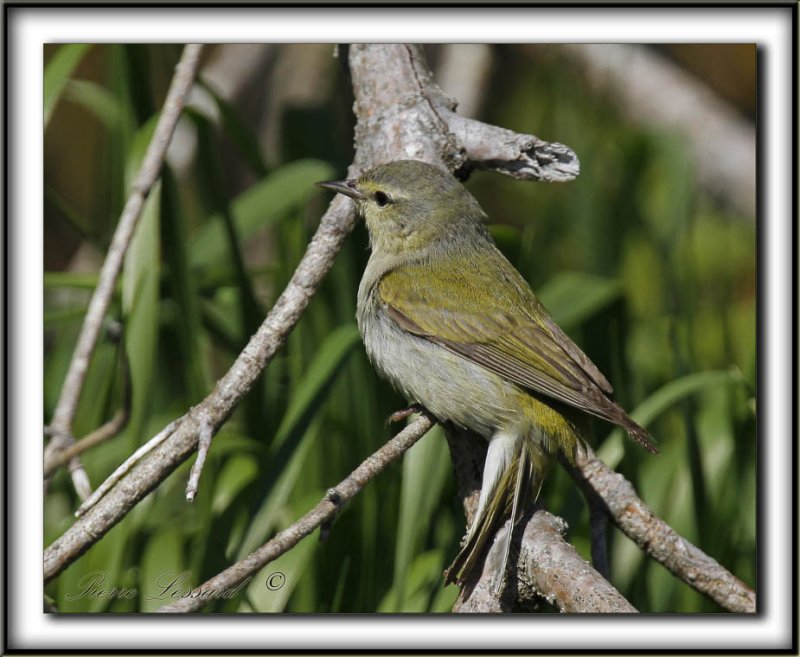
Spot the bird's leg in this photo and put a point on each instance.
(402, 414)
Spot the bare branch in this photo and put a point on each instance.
(628, 512)
(100, 435)
(659, 540)
(523, 157)
(415, 119)
(548, 567)
(149, 171)
(598, 528)
(324, 511)
(553, 568)
(468, 454)
(205, 434)
(127, 466)
(479, 596)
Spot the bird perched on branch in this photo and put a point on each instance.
(456, 329)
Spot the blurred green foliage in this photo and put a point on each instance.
(654, 281)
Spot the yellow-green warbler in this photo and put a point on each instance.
(456, 329)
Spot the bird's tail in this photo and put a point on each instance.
(512, 478)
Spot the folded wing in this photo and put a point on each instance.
(515, 338)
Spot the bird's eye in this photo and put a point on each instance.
(382, 199)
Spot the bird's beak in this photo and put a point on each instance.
(347, 187)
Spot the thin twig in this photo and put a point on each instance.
(105, 432)
(659, 540)
(204, 436)
(325, 510)
(524, 157)
(149, 171)
(100, 435)
(127, 466)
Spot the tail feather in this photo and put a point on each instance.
(513, 474)
(523, 472)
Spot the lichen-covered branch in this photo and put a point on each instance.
(625, 509)
(414, 119)
(322, 513)
(552, 568)
(548, 567)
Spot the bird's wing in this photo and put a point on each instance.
(515, 338)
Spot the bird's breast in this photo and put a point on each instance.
(451, 387)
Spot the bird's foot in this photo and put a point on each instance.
(402, 414)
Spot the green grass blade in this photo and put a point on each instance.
(266, 202)
(57, 72)
(242, 136)
(426, 467)
(613, 448)
(183, 291)
(311, 391)
(293, 439)
(274, 584)
(424, 574)
(71, 279)
(95, 99)
(573, 297)
(163, 568)
(140, 295)
(239, 470)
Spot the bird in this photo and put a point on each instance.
(457, 330)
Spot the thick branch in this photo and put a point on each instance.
(322, 513)
(64, 414)
(397, 99)
(548, 567)
(659, 540)
(551, 566)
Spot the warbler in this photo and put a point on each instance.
(455, 328)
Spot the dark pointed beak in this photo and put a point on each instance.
(347, 187)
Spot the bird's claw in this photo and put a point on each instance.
(402, 414)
